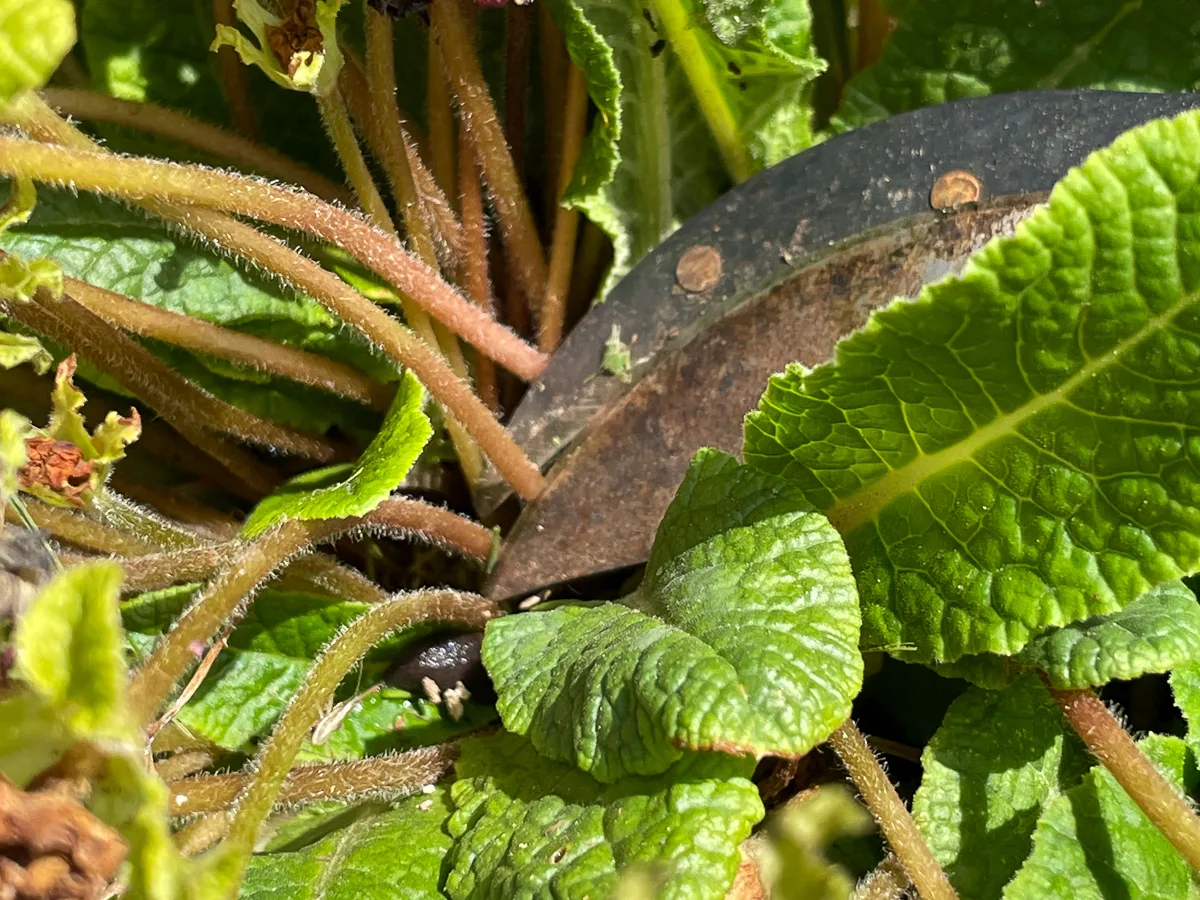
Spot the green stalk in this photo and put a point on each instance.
(340, 656)
(682, 37)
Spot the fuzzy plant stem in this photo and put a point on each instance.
(248, 350)
(214, 609)
(176, 126)
(336, 296)
(331, 667)
(566, 220)
(894, 819)
(679, 30)
(160, 182)
(1145, 785)
(385, 777)
(478, 115)
(474, 270)
(396, 517)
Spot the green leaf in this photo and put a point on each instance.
(648, 159)
(14, 429)
(68, 650)
(120, 249)
(949, 49)
(18, 349)
(744, 639)
(32, 736)
(1015, 450)
(997, 760)
(380, 855)
(1155, 633)
(750, 66)
(35, 35)
(1093, 843)
(344, 491)
(1185, 684)
(526, 826)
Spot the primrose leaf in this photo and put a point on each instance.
(380, 854)
(997, 760)
(31, 734)
(526, 826)
(122, 250)
(1155, 633)
(14, 429)
(68, 651)
(344, 491)
(1185, 684)
(18, 349)
(744, 639)
(1016, 449)
(649, 161)
(1093, 843)
(308, 32)
(751, 65)
(949, 49)
(35, 36)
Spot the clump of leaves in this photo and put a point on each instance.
(996, 481)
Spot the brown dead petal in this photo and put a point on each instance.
(56, 465)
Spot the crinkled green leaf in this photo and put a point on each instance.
(1155, 633)
(381, 854)
(113, 247)
(344, 491)
(21, 279)
(18, 349)
(32, 736)
(1017, 449)
(648, 161)
(525, 826)
(754, 63)
(14, 429)
(265, 662)
(68, 650)
(312, 67)
(1093, 843)
(990, 770)
(744, 638)
(949, 49)
(35, 35)
(103, 447)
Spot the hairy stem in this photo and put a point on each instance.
(342, 653)
(566, 220)
(257, 353)
(553, 62)
(384, 777)
(680, 32)
(77, 529)
(475, 259)
(161, 182)
(438, 100)
(185, 406)
(177, 126)
(478, 115)
(381, 80)
(233, 76)
(336, 296)
(894, 819)
(336, 119)
(216, 607)
(1145, 785)
(397, 516)
(181, 765)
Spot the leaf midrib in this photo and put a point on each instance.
(849, 513)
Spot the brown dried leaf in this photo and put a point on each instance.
(57, 467)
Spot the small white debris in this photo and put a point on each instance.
(425, 805)
(428, 788)
(180, 799)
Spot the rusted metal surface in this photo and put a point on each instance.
(605, 499)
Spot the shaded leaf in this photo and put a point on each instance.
(68, 650)
(526, 826)
(345, 491)
(35, 35)
(1014, 450)
(990, 770)
(380, 854)
(743, 638)
(949, 49)
(1093, 843)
